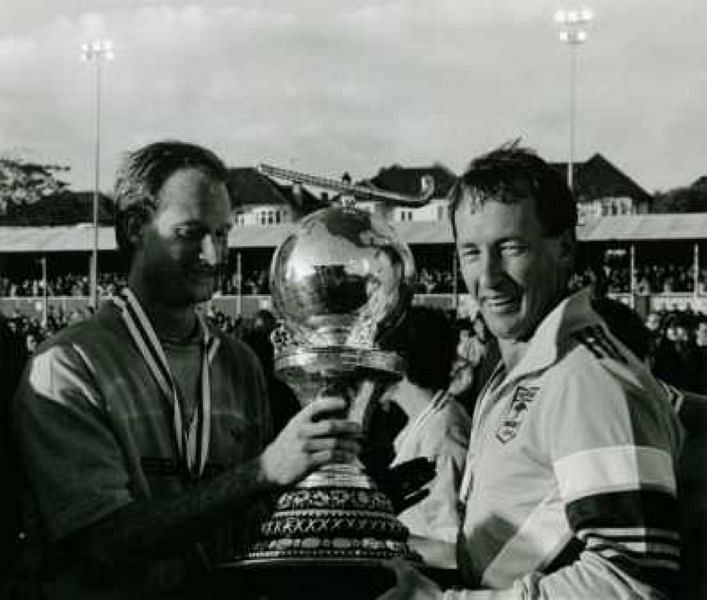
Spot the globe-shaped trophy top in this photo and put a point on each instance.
(342, 278)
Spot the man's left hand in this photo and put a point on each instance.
(411, 584)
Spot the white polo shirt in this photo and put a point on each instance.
(569, 487)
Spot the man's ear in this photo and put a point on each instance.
(567, 247)
(134, 226)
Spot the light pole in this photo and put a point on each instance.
(96, 53)
(572, 27)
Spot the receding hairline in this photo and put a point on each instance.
(207, 178)
(476, 198)
(143, 172)
(510, 169)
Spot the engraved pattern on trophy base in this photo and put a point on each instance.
(338, 547)
(332, 523)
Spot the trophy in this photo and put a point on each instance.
(340, 283)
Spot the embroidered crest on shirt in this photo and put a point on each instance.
(522, 397)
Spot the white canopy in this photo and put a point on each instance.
(79, 238)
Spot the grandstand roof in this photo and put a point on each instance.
(646, 227)
(79, 238)
(683, 226)
(63, 238)
(255, 236)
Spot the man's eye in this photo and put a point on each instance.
(222, 235)
(193, 234)
(469, 254)
(513, 249)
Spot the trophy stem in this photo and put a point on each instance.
(339, 475)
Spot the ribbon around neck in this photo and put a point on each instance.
(192, 439)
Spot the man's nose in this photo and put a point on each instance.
(209, 252)
(490, 269)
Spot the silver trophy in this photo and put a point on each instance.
(340, 282)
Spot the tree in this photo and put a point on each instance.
(681, 200)
(23, 183)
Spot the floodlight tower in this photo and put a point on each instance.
(96, 53)
(572, 25)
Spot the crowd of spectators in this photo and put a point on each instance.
(677, 348)
(254, 282)
(434, 281)
(675, 342)
(657, 279)
(650, 279)
(67, 284)
(31, 331)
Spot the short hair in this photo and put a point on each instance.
(427, 340)
(143, 172)
(510, 170)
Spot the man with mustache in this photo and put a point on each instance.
(144, 432)
(569, 490)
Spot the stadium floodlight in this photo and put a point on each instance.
(572, 25)
(96, 52)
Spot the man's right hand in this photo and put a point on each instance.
(314, 437)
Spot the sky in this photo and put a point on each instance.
(328, 86)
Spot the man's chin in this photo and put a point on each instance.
(203, 294)
(193, 294)
(504, 327)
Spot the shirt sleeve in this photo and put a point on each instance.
(612, 448)
(437, 515)
(73, 462)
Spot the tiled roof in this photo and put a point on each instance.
(249, 187)
(599, 178)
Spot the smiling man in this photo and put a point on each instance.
(144, 432)
(569, 490)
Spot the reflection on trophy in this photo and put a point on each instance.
(340, 282)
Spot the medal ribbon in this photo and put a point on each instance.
(194, 439)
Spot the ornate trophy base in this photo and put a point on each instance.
(334, 516)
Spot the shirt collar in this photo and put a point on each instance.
(573, 313)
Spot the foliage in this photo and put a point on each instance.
(682, 199)
(64, 208)
(23, 183)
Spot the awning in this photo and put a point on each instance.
(70, 238)
(79, 238)
(656, 227)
